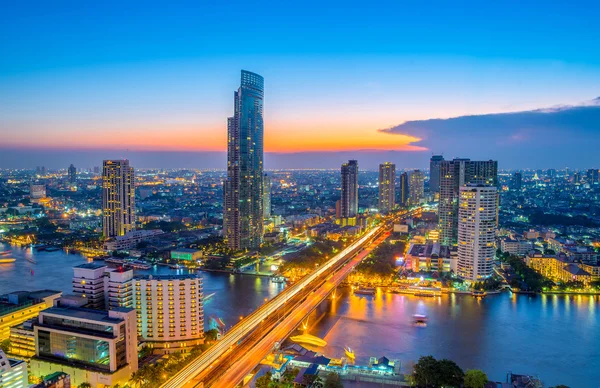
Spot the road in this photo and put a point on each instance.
(244, 335)
(243, 365)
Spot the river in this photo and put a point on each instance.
(554, 337)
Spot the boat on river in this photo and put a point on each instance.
(7, 260)
(365, 291)
(349, 353)
(420, 320)
(5, 253)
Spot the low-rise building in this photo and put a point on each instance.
(55, 380)
(560, 268)
(186, 254)
(22, 339)
(431, 257)
(516, 247)
(19, 306)
(129, 240)
(93, 346)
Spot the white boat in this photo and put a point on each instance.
(420, 320)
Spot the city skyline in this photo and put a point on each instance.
(368, 88)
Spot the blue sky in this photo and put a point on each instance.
(152, 77)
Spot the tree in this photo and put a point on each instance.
(263, 381)
(475, 378)
(211, 335)
(450, 373)
(5, 345)
(333, 381)
(85, 385)
(429, 372)
(308, 379)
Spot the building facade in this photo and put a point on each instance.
(349, 196)
(118, 198)
(404, 189)
(453, 175)
(243, 188)
(417, 187)
(266, 196)
(476, 231)
(72, 174)
(434, 173)
(13, 373)
(93, 346)
(19, 306)
(387, 187)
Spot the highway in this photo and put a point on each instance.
(243, 365)
(244, 335)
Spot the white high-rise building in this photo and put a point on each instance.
(13, 373)
(266, 196)
(477, 210)
(118, 198)
(416, 187)
(387, 187)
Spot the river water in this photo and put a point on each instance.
(554, 337)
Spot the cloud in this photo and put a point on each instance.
(556, 136)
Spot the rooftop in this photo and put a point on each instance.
(90, 266)
(166, 277)
(83, 313)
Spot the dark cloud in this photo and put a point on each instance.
(554, 137)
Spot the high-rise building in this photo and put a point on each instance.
(453, 175)
(349, 198)
(477, 212)
(94, 346)
(417, 187)
(551, 173)
(37, 192)
(592, 176)
(118, 198)
(243, 202)
(404, 189)
(88, 282)
(387, 187)
(72, 174)
(266, 196)
(517, 181)
(434, 173)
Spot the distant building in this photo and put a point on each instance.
(517, 181)
(13, 373)
(266, 196)
(93, 346)
(19, 306)
(592, 176)
(22, 340)
(387, 187)
(453, 175)
(404, 189)
(129, 240)
(118, 198)
(72, 174)
(559, 268)
(434, 173)
(517, 247)
(37, 192)
(243, 200)
(349, 197)
(186, 254)
(477, 211)
(417, 188)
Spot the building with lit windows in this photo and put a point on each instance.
(93, 346)
(13, 373)
(453, 175)
(72, 174)
(118, 198)
(88, 282)
(22, 339)
(417, 187)
(170, 315)
(387, 187)
(266, 196)
(243, 188)
(349, 196)
(477, 212)
(19, 306)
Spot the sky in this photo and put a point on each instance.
(341, 78)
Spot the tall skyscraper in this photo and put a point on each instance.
(72, 174)
(477, 212)
(243, 200)
(349, 199)
(517, 181)
(266, 196)
(118, 198)
(592, 176)
(387, 187)
(434, 173)
(404, 189)
(453, 175)
(417, 188)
